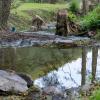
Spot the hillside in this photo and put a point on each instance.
(22, 15)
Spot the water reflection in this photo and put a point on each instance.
(69, 75)
(36, 61)
(83, 69)
(39, 61)
(94, 62)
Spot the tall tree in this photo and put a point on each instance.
(4, 12)
(0, 12)
(84, 6)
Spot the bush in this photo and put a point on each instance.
(74, 6)
(72, 17)
(91, 20)
(96, 95)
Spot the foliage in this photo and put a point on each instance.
(92, 19)
(74, 6)
(97, 36)
(96, 95)
(15, 4)
(72, 16)
(43, 1)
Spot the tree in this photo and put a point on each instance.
(84, 6)
(4, 13)
(0, 12)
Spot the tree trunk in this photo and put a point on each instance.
(83, 69)
(84, 6)
(53, 1)
(98, 1)
(0, 13)
(4, 12)
(61, 27)
(94, 62)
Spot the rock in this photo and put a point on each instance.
(52, 90)
(71, 94)
(11, 82)
(33, 29)
(85, 89)
(25, 42)
(27, 78)
(43, 28)
(57, 97)
(91, 33)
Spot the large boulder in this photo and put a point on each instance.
(12, 82)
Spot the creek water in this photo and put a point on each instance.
(69, 74)
(48, 66)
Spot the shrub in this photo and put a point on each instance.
(95, 96)
(72, 17)
(91, 20)
(74, 6)
(15, 4)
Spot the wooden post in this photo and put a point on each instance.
(61, 27)
(83, 69)
(94, 62)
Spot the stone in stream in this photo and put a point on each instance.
(32, 29)
(12, 82)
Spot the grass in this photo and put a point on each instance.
(96, 95)
(26, 11)
(36, 6)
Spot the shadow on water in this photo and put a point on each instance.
(55, 67)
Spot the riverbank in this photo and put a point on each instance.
(22, 39)
(21, 17)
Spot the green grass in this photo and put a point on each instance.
(36, 6)
(26, 11)
(96, 95)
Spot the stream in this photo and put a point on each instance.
(49, 67)
(69, 74)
